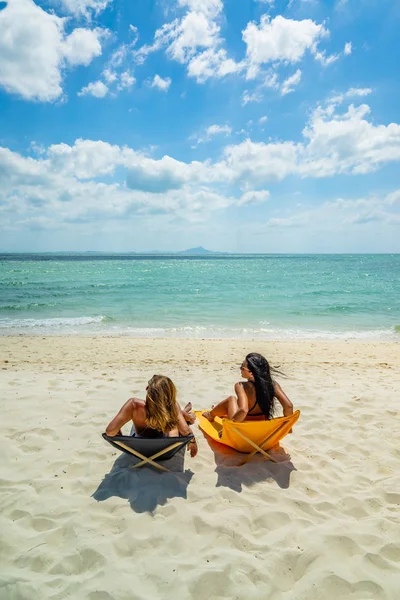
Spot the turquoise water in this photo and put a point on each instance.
(265, 296)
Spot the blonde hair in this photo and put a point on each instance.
(161, 407)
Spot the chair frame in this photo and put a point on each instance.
(151, 460)
(258, 448)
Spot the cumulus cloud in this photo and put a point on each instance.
(160, 83)
(81, 46)
(280, 40)
(77, 181)
(209, 7)
(34, 49)
(333, 142)
(126, 80)
(195, 41)
(96, 88)
(85, 8)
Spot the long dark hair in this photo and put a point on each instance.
(265, 390)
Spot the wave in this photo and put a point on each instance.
(30, 306)
(103, 324)
(61, 324)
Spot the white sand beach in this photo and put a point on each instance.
(77, 523)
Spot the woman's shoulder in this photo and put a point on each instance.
(243, 385)
(137, 403)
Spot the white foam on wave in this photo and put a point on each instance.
(102, 324)
(55, 324)
(260, 333)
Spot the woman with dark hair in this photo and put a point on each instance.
(158, 416)
(255, 398)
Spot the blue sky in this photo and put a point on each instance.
(238, 125)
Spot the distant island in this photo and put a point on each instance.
(199, 250)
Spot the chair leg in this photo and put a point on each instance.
(151, 459)
(144, 460)
(260, 448)
(151, 462)
(257, 448)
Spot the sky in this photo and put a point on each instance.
(237, 125)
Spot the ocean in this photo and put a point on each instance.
(219, 296)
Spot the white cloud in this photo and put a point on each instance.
(340, 214)
(212, 63)
(345, 143)
(358, 92)
(248, 97)
(290, 83)
(160, 83)
(194, 40)
(85, 7)
(95, 88)
(348, 143)
(326, 60)
(352, 92)
(217, 129)
(271, 80)
(75, 183)
(34, 49)
(109, 75)
(254, 197)
(347, 48)
(81, 46)
(210, 132)
(280, 40)
(210, 7)
(263, 119)
(116, 75)
(195, 31)
(126, 80)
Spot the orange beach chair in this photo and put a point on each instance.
(248, 437)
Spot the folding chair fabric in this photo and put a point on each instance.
(150, 450)
(263, 434)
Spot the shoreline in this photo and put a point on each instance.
(386, 334)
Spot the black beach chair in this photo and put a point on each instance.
(149, 449)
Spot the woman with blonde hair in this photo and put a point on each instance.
(158, 415)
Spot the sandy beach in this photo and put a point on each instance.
(77, 523)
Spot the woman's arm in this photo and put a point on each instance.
(121, 418)
(243, 403)
(284, 400)
(185, 430)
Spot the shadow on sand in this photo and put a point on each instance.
(145, 488)
(233, 475)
